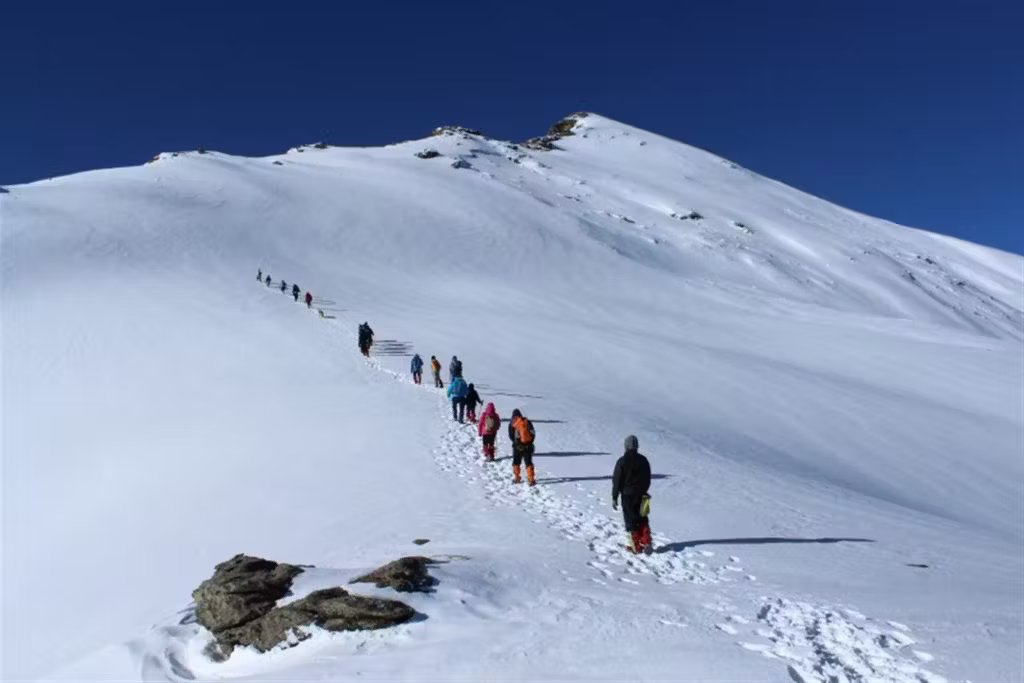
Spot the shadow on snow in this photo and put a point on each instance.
(763, 540)
(568, 454)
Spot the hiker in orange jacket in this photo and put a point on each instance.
(435, 367)
(522, 435)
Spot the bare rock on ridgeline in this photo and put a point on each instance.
(560, 129)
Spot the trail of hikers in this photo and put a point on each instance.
(853, 647)
(631, 478)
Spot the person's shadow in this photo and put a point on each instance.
(606, 477)
(762, 540)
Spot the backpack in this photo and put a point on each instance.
(435, 365)
(491, 423)
(524, 431)
(457, 368)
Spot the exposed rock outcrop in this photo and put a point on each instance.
(242, 589)
(456, 130)
(561, 129)
(238, 604)
(405, 575)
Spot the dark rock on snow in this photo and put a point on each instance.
(334, 609)
(242, 589)
(456, 130)
(406, 575)
(417, 541)
(692, 216)
(461, 163)
(428, 154)
(237, 604)
(561, 129)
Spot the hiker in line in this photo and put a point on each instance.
(362, 338)
(365, 338)
(284, 286)
(457, 394)
(369, 337)
(309, 300)
(490, 423)
(268, 281)
(416, 367)
(295, 293)
(435, 367)
(259, 275)
(472, 400)
(631, 480)
(454, 368)
(522, 435)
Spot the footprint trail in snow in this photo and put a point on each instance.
(818, 644)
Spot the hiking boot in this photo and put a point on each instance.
(645, 538)
(633, 545)
(516, 479)
(531, 476)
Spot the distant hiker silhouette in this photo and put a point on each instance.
(472, 400)
(268, 281)
(365, 338)
(416, 368)
(309, 300)
(454, 368)
(435, 367)
(259, 275)
(295, 293)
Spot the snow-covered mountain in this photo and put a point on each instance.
(833, 404)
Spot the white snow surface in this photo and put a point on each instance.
(828, 399)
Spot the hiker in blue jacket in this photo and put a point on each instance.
(457, 391)
(416, 367)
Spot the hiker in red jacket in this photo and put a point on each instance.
(490, 423)
(309, 300)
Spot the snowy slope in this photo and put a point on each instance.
(797, 372)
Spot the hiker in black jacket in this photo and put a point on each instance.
(472, 401)
(631, 480)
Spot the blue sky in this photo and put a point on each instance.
(912, 111)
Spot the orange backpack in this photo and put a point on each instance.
(524, 431)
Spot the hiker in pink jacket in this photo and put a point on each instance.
(490, 423)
